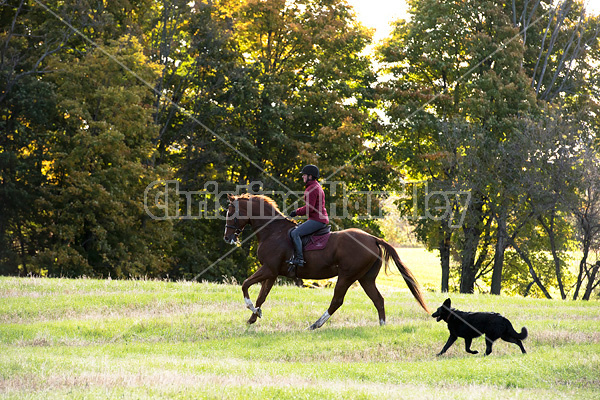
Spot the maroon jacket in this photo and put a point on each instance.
(314, 197)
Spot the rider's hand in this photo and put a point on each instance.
(293, 214)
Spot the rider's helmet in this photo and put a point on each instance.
(311, 170)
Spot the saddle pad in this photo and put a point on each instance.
(317, 242)
(313, 242)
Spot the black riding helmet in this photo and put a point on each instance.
(310, 170)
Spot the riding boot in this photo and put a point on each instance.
(298, 259)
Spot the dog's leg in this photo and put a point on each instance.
(468, 346)
(449, 343)
(516, 341)
(520, 344)
(488, 345)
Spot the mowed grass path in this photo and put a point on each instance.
(63, 338)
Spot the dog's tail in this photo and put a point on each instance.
(517, 335)
(411, 282)
(523, 334)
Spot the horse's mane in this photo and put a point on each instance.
(265, 199)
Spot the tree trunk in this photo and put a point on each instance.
(472, 232)
(501, 243)
(468, 272)
(589, 230)
(591, 279)
(536, 279)
(582, 265)
(549, 228)
(445, 260)
(528, 288)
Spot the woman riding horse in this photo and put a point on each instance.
(351, 255)
(314, 207)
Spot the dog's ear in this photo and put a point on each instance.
(447, 303)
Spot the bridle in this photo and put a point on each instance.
(238, 231)
(235, 225)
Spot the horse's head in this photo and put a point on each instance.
(247, 208)
(235, 221)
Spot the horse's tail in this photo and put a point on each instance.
(411, 282)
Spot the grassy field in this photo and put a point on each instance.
(84, 338)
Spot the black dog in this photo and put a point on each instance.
(469, 325)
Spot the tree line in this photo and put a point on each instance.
(99, 99)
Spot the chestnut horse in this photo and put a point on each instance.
(351, 255)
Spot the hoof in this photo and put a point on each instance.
(255, 315)
(313, 327)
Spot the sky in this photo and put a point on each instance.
(379, 13)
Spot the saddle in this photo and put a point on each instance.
(315, 241)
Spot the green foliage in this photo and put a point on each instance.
(200, 250)
(515, 276)
(280, 84)
(464, 101)
(235, 92)
(94, 216)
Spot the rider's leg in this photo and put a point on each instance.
(303, 229)
(297, 241)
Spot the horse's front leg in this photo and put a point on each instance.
(262, 296)
(261, 275)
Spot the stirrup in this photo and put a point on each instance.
(295, 261)
(291, 273)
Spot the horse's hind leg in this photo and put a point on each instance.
(341, 287)
(368, 284)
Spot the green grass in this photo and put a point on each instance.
(83, 338)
